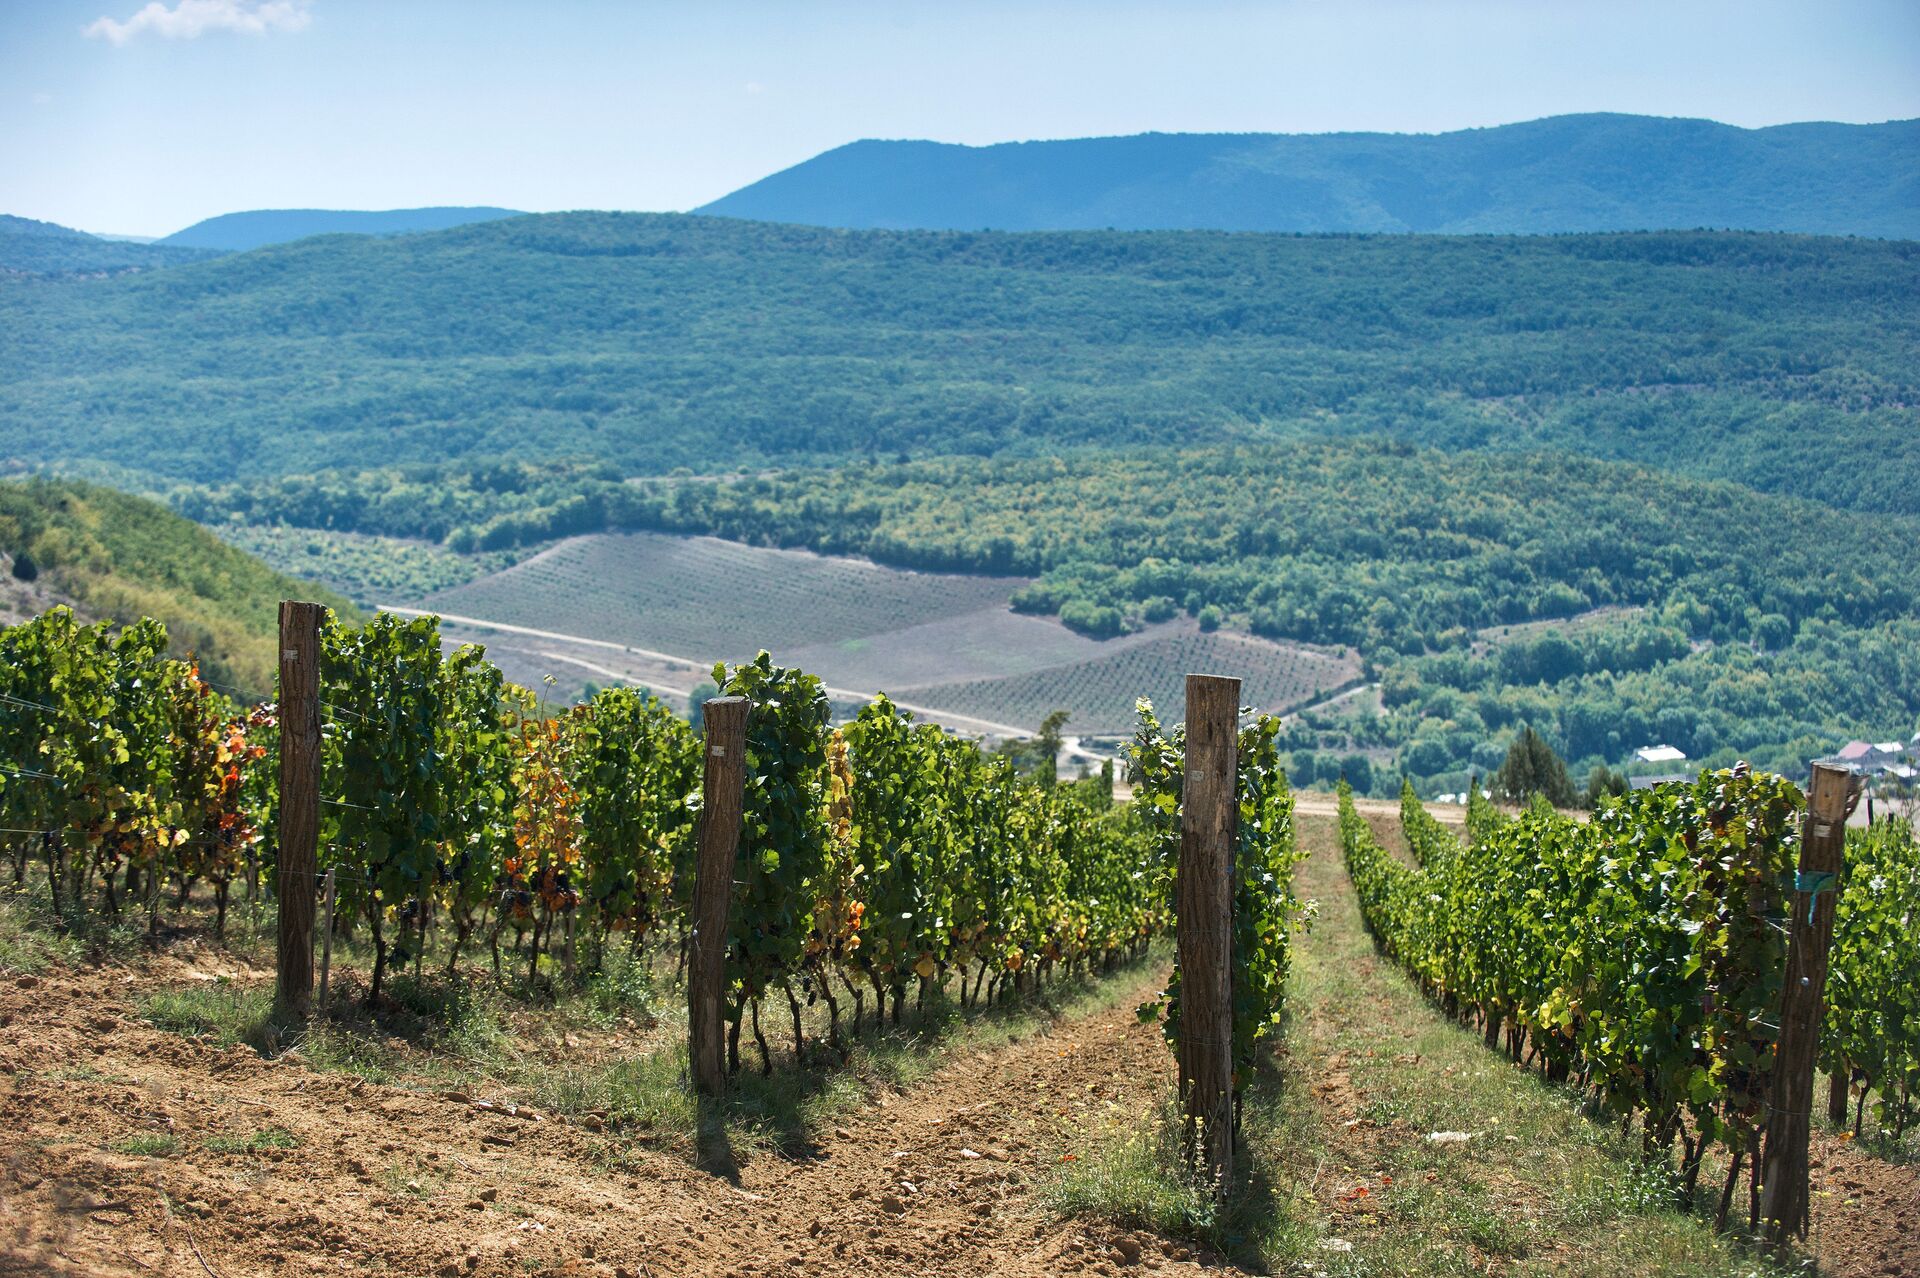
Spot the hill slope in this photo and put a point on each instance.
(46, 248)
(118, 556)
(238, 232)
(657, 341)
(1567, 173)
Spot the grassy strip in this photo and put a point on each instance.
(1346, 1176)
(466, 1034)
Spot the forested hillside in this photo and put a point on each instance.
(121, 558)
(1599, 172)
(653, 342)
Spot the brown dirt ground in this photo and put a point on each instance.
(387, 1180)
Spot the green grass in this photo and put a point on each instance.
(218, 1010)
(148, 1145)
(252, 1143)
(33, 938)
(1344, 1182)
(27, 942)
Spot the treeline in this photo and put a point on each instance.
(653, 342)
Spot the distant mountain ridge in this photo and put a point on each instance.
(1599, 172)
(11, 225)
(238, 232)
(29, 247)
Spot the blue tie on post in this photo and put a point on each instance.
(1813, 883)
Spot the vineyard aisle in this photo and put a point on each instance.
(1419, 1151)
(119, 1159)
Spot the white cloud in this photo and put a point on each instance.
(188, 19)
(42, 99)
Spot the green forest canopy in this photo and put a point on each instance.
(654, 341)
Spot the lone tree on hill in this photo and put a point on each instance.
(1533, 768)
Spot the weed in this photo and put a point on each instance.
(257, 1142)
(148, 1145)
(220, 1010)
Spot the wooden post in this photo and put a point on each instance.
(326, 941)
(299, 829)
(723, 794)
(1209, 821)
(1783, 1170)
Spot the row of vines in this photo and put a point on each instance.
(1640, 955)
(879, 862)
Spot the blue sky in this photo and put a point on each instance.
(140, 118)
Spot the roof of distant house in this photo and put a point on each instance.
(1853, 750)
(1659, 754)
(1888, 747)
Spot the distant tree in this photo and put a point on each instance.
(1533, 768)
(1358, 771)
(1210, 618)
(24, 568)
(1602, 784)
(703, 692)
(1049, 739)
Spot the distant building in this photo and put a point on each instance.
(1877, 758)
(1660, 754)
(1665, 778)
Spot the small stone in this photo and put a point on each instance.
(813, 1230)
(488, 1194)
(1127, 1248)
(27, 981)
(891, 1204)
(843, 1133)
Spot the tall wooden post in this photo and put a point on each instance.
(724, 792)
(1783, 1170)
(298, 834)
(1209, 823)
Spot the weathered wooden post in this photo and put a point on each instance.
(1209, 821)
(298, 833)
(724, 792)
(1783, 1170)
